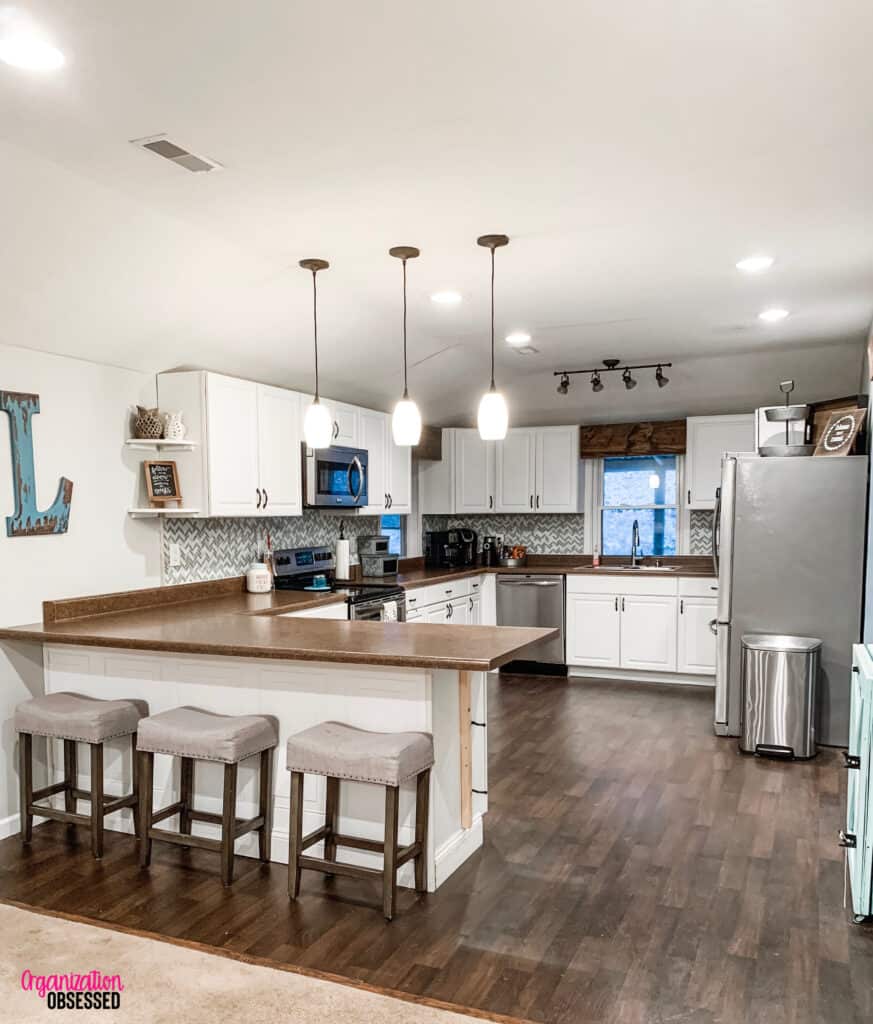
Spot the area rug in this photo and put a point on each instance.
(52, 968)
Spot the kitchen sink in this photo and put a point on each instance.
(636, 568)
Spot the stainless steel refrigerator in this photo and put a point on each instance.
(789, 548)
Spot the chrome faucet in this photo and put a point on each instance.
(635, 544)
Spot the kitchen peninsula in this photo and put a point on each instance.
(214, 646)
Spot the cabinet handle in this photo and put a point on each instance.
(390, 499)
(490, 501)
(616, 604)
(335, 429)
(471, 604)
(538, 501)
(622, 604)
(689, 497)
(266, 497)
(258, 490)
(385, 502)
(531, 501)
(681, 607)
(448, 611)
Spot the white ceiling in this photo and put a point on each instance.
(633, 154)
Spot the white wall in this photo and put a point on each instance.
(78, 433)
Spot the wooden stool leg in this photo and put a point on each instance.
(389, 870)
(265, 810)
(71, 775)
(331, 816)
(295, 835)
(228, 823)
(422, 803)
(97, 800)
(134, 772)
(146, 799)
(25, 784)
(186, 795)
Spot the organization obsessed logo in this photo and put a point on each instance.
(92, 991)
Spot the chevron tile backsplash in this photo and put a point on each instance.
(553, 534)
(215, 548)
(701, 532)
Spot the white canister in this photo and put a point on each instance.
(258, 579)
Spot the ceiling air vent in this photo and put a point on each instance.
(161, 146)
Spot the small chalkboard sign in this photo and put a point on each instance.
(839, 435)
(162, 482)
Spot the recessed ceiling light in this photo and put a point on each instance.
(446, 298)
(517, 338)
(773, 316)
(30, 52)
(755, 264)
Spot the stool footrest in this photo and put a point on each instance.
(201, 842)
(167, 812)
(53, 814)
(116, 803)
(335, 867)
(41, 794)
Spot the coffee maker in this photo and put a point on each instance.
(450, 549)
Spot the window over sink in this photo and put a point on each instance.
(642, 488)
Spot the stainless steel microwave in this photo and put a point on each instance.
(335, 477)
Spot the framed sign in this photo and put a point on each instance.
(162, 482)
(839, 435)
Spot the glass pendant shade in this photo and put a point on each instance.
(493, 416)
(406, 423)
(318, 426)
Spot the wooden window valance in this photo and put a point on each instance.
(661, 437)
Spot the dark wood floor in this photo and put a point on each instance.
(636, 870)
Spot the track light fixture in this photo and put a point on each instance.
(611, 366)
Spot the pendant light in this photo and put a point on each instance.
(317, 425)
(493, 415)
(406, 421)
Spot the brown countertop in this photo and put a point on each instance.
(228, 621)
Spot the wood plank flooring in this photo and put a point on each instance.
(636, 870)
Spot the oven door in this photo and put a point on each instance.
(374, 611)
(335, 477)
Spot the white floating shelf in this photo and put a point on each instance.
(154, 513)
(159, 444)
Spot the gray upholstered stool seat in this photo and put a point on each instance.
(206, 736)
(345, 752)
(387, 759)
(193, 734)
(73, 716)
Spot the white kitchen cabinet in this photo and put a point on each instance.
(437, 612)
(516, 471)
(708, 438)
(648, 632)
(697, 642)
(557, 470)
(279, 453)
(345, 418)
(475, 610)
(232, 446)
(474, 472)
(399, 460)
(593, 629)
(373, 433)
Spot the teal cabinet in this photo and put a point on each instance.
(858, 834)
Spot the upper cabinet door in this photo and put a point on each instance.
(399, 459)
(373, 437)
(346, 425)
(279, 459)
(232, 441)
(516, 458)
(557, 470)
(474, 472)
(709, 437)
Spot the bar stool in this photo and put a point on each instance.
(196, 735)
(387, 759)
(74, 718)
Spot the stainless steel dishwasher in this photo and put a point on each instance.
(527, 599)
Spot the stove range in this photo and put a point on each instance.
(312, 569)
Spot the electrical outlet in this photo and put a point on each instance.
(175, 555)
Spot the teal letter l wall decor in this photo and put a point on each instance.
(28, 521)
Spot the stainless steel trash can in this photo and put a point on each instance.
(780, 681)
